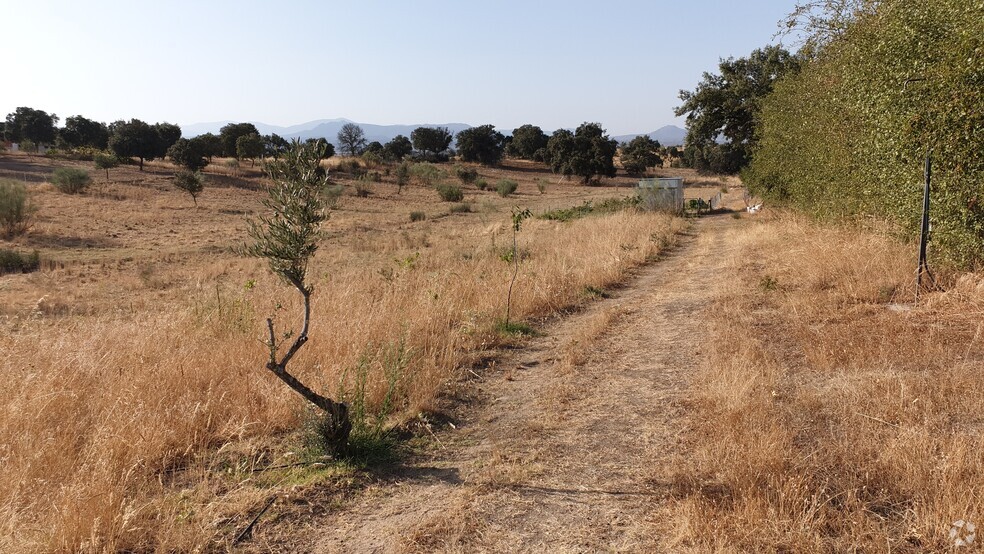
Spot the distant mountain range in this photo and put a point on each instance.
(328, 128)
(670, 135)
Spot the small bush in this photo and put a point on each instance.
(541, 185)
(15, 208)
(402, 176)
(232, 163)
(449, 193)
(331, 194)
(417, 216)
(71, 180)
(427, 173)
(362, 187)
(461, 209)
(372, 159)
(482, 184)
(465, 174)
(12, 261)
(505, 187)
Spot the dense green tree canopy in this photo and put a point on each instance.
(249, 147)
(230, 133)
(189, 153)
(726, 105)
(36, 126)
(135, 139)
(211, 145)
(79, 131)
(529, 142)
(320, 145)
(398, 148)
(639, 154)
(481, 144)
(274, 145)
(588, 152)
(432, 141)
(351, 139)
(848, 134)
(167, 135)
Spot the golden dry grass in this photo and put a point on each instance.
(825, 421)
(136, 401)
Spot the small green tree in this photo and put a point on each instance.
(71, 180)
(15, 208)
(105, 162)
(398, 148)
(192, 182)
(640, 153)
(518, 216)
(249, 147)
(287, 238)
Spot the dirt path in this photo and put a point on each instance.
(559, 456)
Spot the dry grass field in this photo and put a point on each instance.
(831, 415)
(137, 412)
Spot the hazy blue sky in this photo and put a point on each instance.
(550, 63)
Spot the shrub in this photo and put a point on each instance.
(541, 185)
(362, 188)
(12, 261)
(505, 187)
(191, 182)
(426, 173)
(402, 176)
(417, 216)
(461, 209)
(15, 208)
(71, 180)
(449, 193)
(331, 194)
(482, 184)
(465, 174)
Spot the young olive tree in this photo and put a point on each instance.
(287, 237)
(518, 216)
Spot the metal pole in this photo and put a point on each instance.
(924, 231)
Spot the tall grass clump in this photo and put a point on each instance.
(71, 180)
(16, 210)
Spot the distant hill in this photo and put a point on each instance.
(670, 135)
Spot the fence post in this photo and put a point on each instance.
(924, 231)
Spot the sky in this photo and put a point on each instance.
(550, 63)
